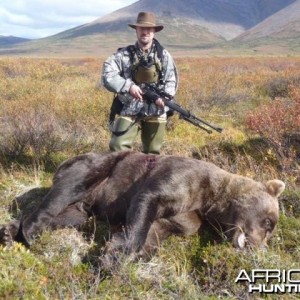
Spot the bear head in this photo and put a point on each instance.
(251, 213)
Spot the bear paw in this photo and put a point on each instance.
(8, 232)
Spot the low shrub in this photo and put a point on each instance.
(276, 122)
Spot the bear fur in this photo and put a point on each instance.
(152, 196)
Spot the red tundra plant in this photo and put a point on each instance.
(279, 123)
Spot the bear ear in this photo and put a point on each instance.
(275, 187)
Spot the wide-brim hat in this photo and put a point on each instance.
(146, 19)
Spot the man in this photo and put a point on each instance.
(125, 72)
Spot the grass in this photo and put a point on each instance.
(51, 109)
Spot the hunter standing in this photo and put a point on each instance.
(125, 72)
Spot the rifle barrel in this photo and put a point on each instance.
(185, 114)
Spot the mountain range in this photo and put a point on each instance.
(190, 25)
(11, 40)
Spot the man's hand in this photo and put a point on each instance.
(136, 92)
(160, 103)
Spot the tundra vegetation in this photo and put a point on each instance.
(52, 109)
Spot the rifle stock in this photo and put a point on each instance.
(152, 93)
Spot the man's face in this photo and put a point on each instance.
(145, 35)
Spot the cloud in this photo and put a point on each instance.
(41, 18)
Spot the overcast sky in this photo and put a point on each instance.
(41, 18)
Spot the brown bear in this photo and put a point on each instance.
(152, 196)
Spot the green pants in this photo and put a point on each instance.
(152, 134)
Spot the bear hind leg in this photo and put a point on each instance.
(74, 215)
(8, 232)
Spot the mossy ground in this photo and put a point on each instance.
(51, 110)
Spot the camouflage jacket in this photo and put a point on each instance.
(117, 78)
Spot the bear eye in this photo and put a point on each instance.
(268, 224)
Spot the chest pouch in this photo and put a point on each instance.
(145, 71)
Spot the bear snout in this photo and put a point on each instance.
(249, 239)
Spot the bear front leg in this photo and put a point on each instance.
(140, 216)
(182, 224)
(145, 229)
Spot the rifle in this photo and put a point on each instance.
(152, 93)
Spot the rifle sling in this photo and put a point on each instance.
(119, 133)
